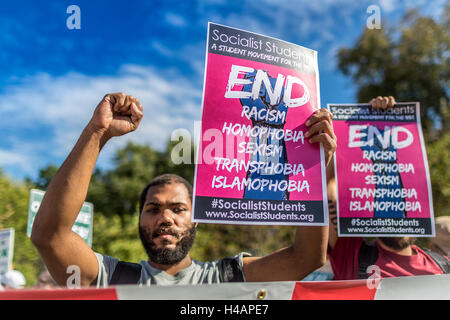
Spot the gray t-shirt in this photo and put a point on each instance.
(197, 273)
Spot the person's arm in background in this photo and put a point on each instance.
(332, 205)
(52, 234)
(377, 103)
(309, 249)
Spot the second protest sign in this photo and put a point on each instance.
(381, 167)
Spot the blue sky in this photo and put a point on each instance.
(52, 78)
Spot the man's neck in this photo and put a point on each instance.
(408, 251)
(173, 269)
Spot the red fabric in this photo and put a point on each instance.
(60, 294)
(344, 261)
(333, 290)
(344, 258)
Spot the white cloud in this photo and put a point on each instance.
(64, 104)
(192, 54)
(10, 159)
(162, 49)
(388, 5)
(175, 20)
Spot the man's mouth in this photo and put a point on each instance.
(164, 234)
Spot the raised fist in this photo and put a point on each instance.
(117, 114)
(263, 101)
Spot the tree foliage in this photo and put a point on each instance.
(409, 62)
(439, 163)
(14, 214)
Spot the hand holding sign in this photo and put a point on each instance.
(321, 130)
(383, 102)
(117, 114)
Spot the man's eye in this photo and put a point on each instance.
(178, 210)
(153, 210)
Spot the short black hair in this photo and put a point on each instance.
(167, 178)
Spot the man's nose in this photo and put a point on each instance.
(167, 216)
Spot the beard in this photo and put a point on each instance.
(397, 243)
(167, 256)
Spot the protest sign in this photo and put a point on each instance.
(258, 167)
(6, 249)
(82, 226)
(382, 175)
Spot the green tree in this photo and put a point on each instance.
(410, 64)
(118, 236)
(439, 163)
(14, 214)
(45, 176)
(117, 191)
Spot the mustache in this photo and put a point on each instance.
(167, 230)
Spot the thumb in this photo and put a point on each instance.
(103, 114)
(136, 115)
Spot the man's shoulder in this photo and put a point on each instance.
(106, 261)
(126, 273)
(229, 269)
(214, 263)
(443, 262)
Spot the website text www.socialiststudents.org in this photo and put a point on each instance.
(386, 226)
(258, 210)
(256, 215)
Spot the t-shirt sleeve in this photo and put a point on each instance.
(344, 257)
(231, 269)
(106, 267)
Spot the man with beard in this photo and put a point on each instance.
(350, 257)
(165, 225)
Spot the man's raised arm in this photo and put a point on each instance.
(309, 250)
(117, 114)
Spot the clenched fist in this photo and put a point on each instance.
(117, 114)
